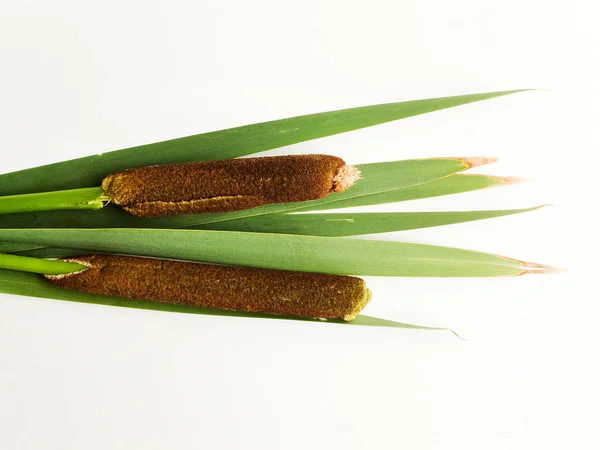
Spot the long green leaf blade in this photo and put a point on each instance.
(13, 247)
(230, 143)
(453, 184)
(376, 178)
(32, 285)
(47, 252)
(353, 224)
(342, 256)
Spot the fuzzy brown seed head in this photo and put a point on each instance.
(227, 185)
(276, 292)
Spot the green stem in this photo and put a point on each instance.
(36, 265)
(86, 198)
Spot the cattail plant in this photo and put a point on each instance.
(201, 187)
(199, 216)
(274, 292)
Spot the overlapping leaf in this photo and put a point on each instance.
(353, 224)
(230, 143)
(342, 256)
(376, 178)
(32, 285)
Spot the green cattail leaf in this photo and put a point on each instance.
(46, 252)
(14, 247)
(453, 184)
(33, 285)
(352, 224)
(376, 178)
(230, 143)
(343, 256)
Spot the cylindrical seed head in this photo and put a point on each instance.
(275, 292)
(227, 185)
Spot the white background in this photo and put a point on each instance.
(82, 77)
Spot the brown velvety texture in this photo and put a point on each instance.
(276, 292)
(222, 186)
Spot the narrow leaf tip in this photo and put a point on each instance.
(476, 161)
(510, 180)
(535, 268)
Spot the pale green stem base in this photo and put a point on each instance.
(36, 265)
(86, 198)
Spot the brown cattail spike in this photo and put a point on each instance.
(227, 185)
(276, 292)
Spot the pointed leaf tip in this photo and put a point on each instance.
(364, 320)
(510, 180)
(456, 334)
(535, 268)
(476, 161)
